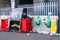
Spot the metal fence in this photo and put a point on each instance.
(5, 10)
(43, 9)
(49, 8)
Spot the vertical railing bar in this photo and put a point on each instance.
(41, 8)
(54, 8)
(44, 9)
(39, 11)
(38, 14)
(50, 6)
(57, 9)
(47, 8)
(34, 10)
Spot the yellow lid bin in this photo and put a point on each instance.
(53, 26)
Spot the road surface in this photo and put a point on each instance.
(24, 36)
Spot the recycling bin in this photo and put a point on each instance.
(4, 23)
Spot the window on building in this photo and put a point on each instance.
(5, 3)
(23, 2)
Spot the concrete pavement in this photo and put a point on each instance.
(24, 36)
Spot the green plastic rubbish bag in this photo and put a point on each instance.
(38, 21)
(48, 22)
